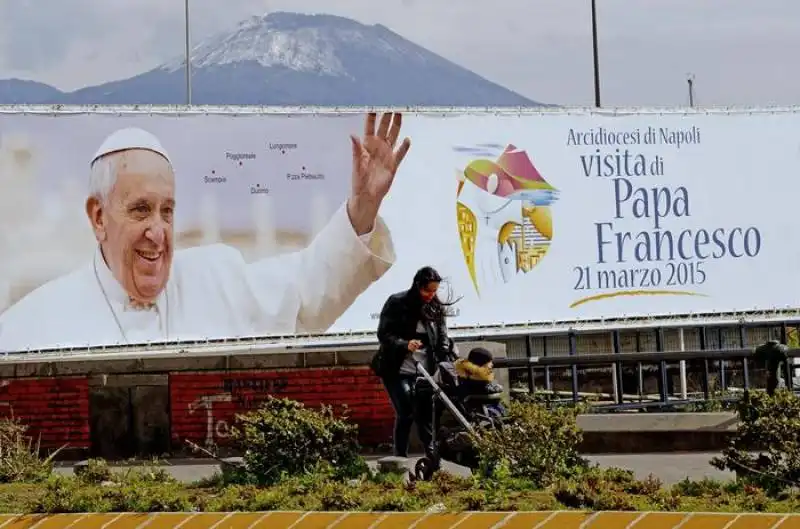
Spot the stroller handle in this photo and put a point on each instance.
(438, 393)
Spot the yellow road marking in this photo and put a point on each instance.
(129, 521)
(278, 520)
(418, 520)
(708, 521)
(756, 521)
(169, 520)
(443, 520)
(659, 520)
(24, 522)
(357, 520)
(612, 520)
(483, 520)
(400, 520)
(92, 521)
(526, 520)
(240, 520)
(792, 522)
(316, 520)
(566, 520)
(204, 520)
(59, 521)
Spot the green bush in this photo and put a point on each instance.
(765, 451)
(95, 472)
(536, 444)
(283, 438)
(146, 489)
(613, 489)
(20, 456)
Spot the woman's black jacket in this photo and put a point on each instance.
(397, 326)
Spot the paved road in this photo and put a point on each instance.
(669, 468)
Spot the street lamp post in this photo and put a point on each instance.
(595, 55)
(188, 53)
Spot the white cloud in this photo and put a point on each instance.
(740, 51)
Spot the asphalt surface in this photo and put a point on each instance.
(669, 468)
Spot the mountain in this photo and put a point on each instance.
(18, 91)
(293, 59)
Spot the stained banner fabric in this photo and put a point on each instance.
(538, 217)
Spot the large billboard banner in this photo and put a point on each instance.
(134, 227)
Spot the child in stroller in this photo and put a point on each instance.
(468, 389)
(476, 382)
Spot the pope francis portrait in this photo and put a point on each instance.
(137, 289)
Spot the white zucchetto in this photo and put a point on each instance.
(130, 138)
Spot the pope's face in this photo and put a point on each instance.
(135, 225)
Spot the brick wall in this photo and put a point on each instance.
(57, 409)
(203, 405)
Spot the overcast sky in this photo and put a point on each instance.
(741, 52)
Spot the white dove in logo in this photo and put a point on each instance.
(495, 258)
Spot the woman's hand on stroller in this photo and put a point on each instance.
(414, 345)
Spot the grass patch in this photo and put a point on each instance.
(150, 490)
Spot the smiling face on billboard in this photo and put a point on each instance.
(133, 222)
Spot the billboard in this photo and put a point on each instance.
(539, 217)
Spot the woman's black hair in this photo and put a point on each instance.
(425, 275)
(436, 310)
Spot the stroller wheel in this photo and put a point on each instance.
(424, 469)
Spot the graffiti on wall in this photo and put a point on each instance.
(236, 395)
(215, 428)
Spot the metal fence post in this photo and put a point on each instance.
(723, 382)
(662, 367)
(706, 371)
(791, 363)
(619, 387)
(547, 384)
(684, 382)
(639, 373)
(531, 373)
(573, 351)
(745, 363)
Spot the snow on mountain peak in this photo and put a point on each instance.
(306, 43)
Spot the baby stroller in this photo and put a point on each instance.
(472, 412)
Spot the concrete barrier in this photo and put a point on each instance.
(467, 520)
(658, 422)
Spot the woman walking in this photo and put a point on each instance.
(411, 330)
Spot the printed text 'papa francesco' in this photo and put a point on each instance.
(657, 255)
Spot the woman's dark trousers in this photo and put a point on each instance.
(409, 408)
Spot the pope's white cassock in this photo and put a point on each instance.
(211, 293)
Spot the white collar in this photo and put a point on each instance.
(113, 289)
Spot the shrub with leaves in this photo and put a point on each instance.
(283, 438)
(95, 472)
(148, 489)
(20, 456)
(613, 489)
(765, 451)
(536, 444)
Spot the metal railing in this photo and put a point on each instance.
(704, 362)
(365, 339)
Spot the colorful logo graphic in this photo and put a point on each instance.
(504, 218)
